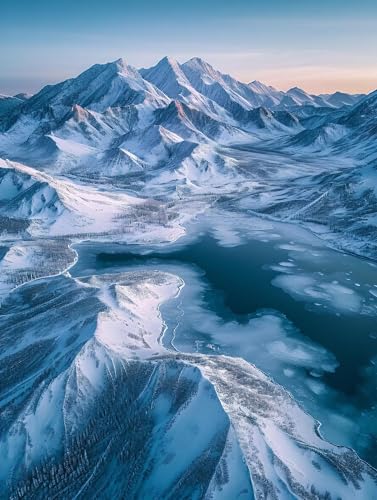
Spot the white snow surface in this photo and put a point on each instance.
(270, 446)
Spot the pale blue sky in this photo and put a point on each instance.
(321, 45)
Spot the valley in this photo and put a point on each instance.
(172, 239)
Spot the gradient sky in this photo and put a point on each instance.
(319, 45)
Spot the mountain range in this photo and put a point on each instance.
(181, 127)
(123, 155)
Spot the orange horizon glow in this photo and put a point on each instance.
(317, 80)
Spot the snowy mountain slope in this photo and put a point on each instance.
(362, 122)
(339, 204)
(114, 402)
(26, 194)
(351, 130)
(113, 85)
(170, 162)
(25, 260)
(320, 138)
(38, 213)
(226, 90)
(340, 99)
(266, 91)
(311, 117)
(118, 85)
(102, 86)
(169, 77)
(235, 97)
(118, 162)
(162, 144)
(273, 121)
(24, 96)
(192, 124)
(298, 97)
(87, 391)
(8, 104)
(281, 444)
(48, 210)
(108, 408)
(176, 131)
(97, 129)
(174, 141)
(56, 207)
(71, 127)
(107, 118)
(182, 80)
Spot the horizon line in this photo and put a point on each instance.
(287, 88)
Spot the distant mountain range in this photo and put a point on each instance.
(108, 112)
(197, 83)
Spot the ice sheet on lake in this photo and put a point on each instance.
(318, 291)
(270, 341)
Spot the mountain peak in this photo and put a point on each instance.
(23, 96)
(166, 64)
(110, 68)
(261, 87)
(167, 75)
(170, 61)
(121, 66)
(120, 63)
(297, 91)
(199, 64)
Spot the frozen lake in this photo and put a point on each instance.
(303, 313)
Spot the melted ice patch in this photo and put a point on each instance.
(287, 264)
(329, 294)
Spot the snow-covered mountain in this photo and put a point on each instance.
(267, 91)
(169, 77)
(174, 126)
(95, 395)
(298, 97)
(361, 122)
(234, 96)
(340, 99)
(54, 206)
(9, 104)
(88, 391)
(351, 130)
(100, 87)
(81, 121)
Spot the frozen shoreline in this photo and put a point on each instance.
(127, 332)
